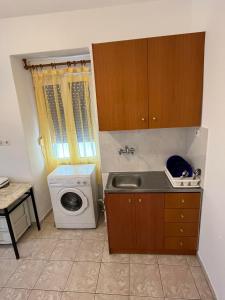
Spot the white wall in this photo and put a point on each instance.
(28, 112)
(212, 242)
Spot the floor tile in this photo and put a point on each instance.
(3, 249)
(178, 282)
(174, 299)
(147, 298)
(27, 274)
(143, 259)
(193, 261)
(43, 248)
(116, 258)
(172, 260)
(45, 295)
(71, 234)
(7, 268)
(48, 231)
(90, 250)
(201, 283)
(110, 297)
(65, 250)
(49, 218)
(83, 277)
(33, 249)
(14, 294)
(25, 247)
(54, 276)
(77, 296)
(145, 280)
(113, 279)
(98, 233)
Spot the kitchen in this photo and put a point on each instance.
(152, 146)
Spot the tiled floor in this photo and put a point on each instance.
(75, 265)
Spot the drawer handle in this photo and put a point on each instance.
(182, 216)
(139, 200)
(181, 244)
(129, 200)
(181, 230)
(182, 201)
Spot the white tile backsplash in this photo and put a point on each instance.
(152, 148)
(196, 147)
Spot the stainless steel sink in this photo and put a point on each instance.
(127, 181)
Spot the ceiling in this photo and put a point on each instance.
(16, 8)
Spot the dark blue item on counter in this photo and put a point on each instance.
(177, 165)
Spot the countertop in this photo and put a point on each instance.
(155, 182)
(12, 192)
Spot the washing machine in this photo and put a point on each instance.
(73, 191)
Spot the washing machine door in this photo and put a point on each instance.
(72, 201)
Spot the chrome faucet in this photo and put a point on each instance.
(126, 150)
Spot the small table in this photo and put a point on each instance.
(10, 198)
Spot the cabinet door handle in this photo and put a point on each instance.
(129, 200)
(154, 118)
(181, 244)
(139, 200)
(142, 119)
(182, 201)
(182, 216)
(181, 230)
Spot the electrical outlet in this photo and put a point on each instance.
(4, 143)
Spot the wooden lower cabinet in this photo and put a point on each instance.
(149, 216)
(120, 211)
(179, 244)
(133, 221)
(142, 223)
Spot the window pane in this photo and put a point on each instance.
(60, 146)
(53, 94)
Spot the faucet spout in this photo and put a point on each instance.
(126, 150)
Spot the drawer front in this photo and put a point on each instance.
(183, 243)
(181, 229)
(182, 200)
(18, 213)
(3, 224)
(181, 215)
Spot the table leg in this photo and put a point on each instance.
(35, 209)
(12, 235)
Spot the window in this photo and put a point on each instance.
(84, 132)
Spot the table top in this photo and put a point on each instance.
(12, 192)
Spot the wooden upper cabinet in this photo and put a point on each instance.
(175, 80)
(121, 84)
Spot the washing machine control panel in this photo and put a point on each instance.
(77, 181)
(82, 181)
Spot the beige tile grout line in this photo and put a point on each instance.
(163, 289)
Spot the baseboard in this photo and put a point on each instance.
(43, 215)
(207, 277)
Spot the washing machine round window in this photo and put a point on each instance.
(72, 201)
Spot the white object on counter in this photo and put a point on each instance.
(186, 182)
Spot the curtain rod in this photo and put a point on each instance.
(53, 65)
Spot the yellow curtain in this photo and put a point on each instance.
(67, 132)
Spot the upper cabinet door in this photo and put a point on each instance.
(121, 75)
(175, 74)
